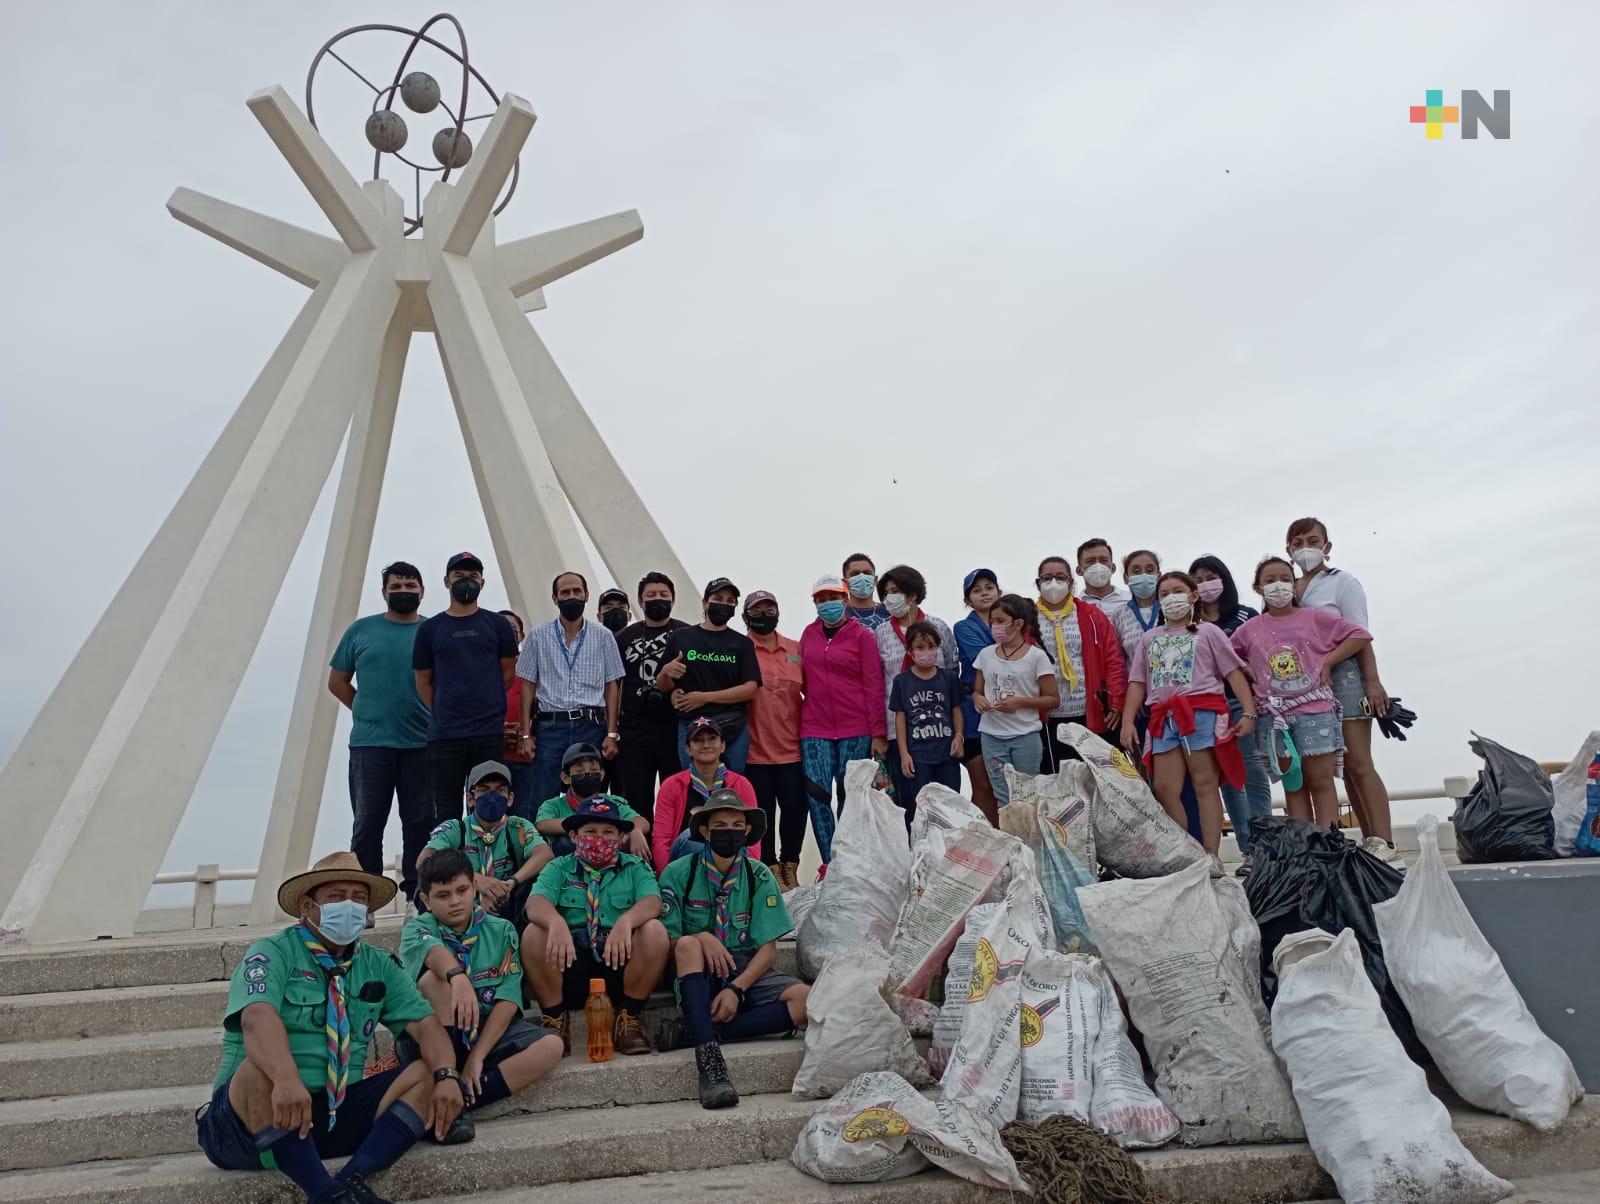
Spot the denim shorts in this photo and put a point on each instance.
(1203, 736)
(1350, 690)
(1314, 735)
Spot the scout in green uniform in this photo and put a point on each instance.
(301, 1013)
(583, 773)
(465, 963)
(505, 850)
(724, 912)
(593, 914)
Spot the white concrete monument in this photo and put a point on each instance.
(98, 786)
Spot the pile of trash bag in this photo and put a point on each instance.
(1510, 814)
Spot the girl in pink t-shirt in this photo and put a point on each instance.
(1180, 667)
(1292, 651)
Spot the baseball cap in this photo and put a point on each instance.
(701, 723)
(580, 752)
(463, 560)
(487, 769)
(717, 583)
(612, 593)
(759, 595)
(971, 578)
(828, 584)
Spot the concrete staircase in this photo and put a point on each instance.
(107, 1049)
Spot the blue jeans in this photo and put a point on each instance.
(823, 761)
(733, 756)
(684, 844)
(551, 739)
(1255, 798)
(378, 776)
(1022, 753)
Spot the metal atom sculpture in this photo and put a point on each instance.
(103, 776)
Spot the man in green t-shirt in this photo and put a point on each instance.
(584, 776)
(301, 1012)
(465, 962)
(593, 915)
(505, 851)
(389, 734)
(724, 912)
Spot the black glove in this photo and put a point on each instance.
(1396, 718)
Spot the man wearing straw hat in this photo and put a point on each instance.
(302, 1009)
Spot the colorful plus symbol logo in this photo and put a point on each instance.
(1435, 115)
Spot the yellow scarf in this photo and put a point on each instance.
(1059, 618)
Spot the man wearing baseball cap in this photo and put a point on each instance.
(594, 915)
(724, 913)
(464, 660)
(302, 1008)
(583, 775)
(613, 611)
(773, 766)
(711, 672)
(506, 851)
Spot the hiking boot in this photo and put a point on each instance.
(788, 875)
(560, 1024)
(716, 1088)
(357, 1190)
(462, 1130)
(673, 1034)
(626, 1035)
(1383, 850)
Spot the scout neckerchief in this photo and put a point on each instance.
(1155, 611)
(461, 943)
(338, 1020)
(483, 858)
(591, 896)
(1058, 619)
(721, 890)
(718, 781)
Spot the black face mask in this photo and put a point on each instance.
(404, 601)
(761, 624)
(570, 608)
(584, 785)
(725, 842)
(719, 612)
(657, 609)
(614, 619)
(466, 591)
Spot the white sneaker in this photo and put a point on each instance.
(1383, 851)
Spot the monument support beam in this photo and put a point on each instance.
(455, 225)
(526, 264)
(335, 191)
(303, 256)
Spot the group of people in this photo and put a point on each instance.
(597, 805)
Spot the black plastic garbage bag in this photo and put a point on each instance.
(1509, 814)
(1303, 875)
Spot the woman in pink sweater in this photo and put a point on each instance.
(844, 717)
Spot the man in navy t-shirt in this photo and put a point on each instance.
(464, 658)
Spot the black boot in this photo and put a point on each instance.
(716, 1088)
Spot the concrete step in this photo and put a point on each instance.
(81, 1066)
(56, 1015)
(160, 1120)
(680, 1143)
(206, 956)
(766, 1181)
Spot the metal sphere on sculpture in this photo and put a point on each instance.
(452, 147)
(386, 131)
(420, 92)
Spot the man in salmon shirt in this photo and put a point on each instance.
(774, 766)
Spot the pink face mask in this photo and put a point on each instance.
(925, 658)
(1209, 591)
(1000, 631)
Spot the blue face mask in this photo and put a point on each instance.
(862, 585)
(1143, 585)
(343, 922)
(491, 808)
(830, 612)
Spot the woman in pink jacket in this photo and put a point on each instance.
(844, 716)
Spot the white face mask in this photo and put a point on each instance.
(1098, 575)
(1308, 558)
(1176, 606)
(1278, 593)
(1054, 591)
(896, 605)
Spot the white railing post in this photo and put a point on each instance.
(205, 895)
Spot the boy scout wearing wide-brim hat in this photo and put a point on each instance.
(317, 986)
(734, 899)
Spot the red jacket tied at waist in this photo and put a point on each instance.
(1181, 709)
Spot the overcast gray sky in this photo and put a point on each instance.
(956, 287)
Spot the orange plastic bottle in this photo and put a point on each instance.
(597, 1015)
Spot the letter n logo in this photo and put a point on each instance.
(1495, 118)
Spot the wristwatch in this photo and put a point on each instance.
(737, 990)
(613, 735)
(450, 977)
(449, 1072)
